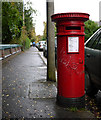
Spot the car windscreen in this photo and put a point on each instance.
(94, 41)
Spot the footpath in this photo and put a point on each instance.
(26, 92)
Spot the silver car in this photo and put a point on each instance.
(41, 45)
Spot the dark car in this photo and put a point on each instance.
(45, 50)
(93, 63)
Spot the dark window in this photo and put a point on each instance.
(98, 46)
(95, 43)
(94, 40)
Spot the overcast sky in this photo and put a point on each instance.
(87, 6)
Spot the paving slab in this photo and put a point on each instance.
(43, 90)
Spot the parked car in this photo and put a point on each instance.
(41, 45)
(37, 44)
(45, 50)
(31, 44)
(93, 63)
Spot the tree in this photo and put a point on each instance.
(32, 34)
(90, 28)
(11, 21)
(44, 32)
(28, 28)
(13, 30)
(38, 38)
(28, 17)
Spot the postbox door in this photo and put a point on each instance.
(75, 67)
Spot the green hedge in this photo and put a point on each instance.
(27, 43)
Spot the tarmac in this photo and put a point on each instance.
(26, 93)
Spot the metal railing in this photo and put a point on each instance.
(7, 50)
(7, 46)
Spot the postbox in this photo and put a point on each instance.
(70, 58)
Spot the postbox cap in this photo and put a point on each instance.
(70, 16)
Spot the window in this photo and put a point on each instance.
(94, 41)
(98, 46)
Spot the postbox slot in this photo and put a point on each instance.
(73, 28)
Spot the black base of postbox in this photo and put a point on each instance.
(71, 102)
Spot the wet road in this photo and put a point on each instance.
(27, 94)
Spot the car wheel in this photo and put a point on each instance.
(91, 90)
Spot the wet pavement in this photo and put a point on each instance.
(26, 92)
(94, 104)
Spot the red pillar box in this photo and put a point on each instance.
(70, 58)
